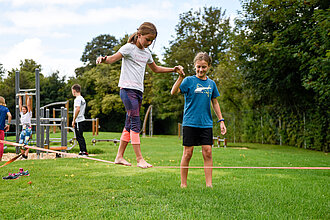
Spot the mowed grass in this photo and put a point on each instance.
(69, 188)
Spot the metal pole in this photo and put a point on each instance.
(65, 141)
(67, 114)
(54, 128)
(62, 126)
(42, 130)
(17, 109)
(38, 112)
(47, 129)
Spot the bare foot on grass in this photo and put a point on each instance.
(122, 161)
(143, 164)
(183, 186)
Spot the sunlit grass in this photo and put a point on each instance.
(83, 189)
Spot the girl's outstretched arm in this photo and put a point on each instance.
(160, 69)
(109, 59)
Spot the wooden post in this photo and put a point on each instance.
(97, 126)
(93, 126)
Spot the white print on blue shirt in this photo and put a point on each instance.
(205, 90)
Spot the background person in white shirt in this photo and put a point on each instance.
(78, 121)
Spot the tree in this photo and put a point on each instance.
(2, 71)
(284, 61)
(206, 30)
(101, 45)
(53, 89)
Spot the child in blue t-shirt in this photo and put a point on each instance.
(4, 111)
(199, 93)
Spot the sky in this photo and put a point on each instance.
(54, 33)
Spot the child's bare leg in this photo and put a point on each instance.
(139, 158)
(187, 154)
(120, 155)
(26, 152)
(208, 162)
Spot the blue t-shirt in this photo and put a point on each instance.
(197, 106)
(3, 114)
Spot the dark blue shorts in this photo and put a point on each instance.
(132, 100)
(197, 136)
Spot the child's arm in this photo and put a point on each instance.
(160, 69)
(176, 87)
(217, 110)
(9, 120)
(20, 103)
(109, 59)
(29, 104)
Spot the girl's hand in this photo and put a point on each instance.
(100, 59)
(179, 69)
(223, 128)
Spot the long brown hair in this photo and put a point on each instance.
(145, 28)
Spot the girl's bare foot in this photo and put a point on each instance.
(183, 186)
(122, 161)
(143, 164)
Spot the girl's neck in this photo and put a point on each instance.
(139, 45)
(202, 78)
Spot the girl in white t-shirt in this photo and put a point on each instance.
(26, 116)
(135, 56)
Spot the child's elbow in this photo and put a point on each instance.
(173, 92)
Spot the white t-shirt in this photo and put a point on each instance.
(26, 118)
(80, 101)
(133, 66)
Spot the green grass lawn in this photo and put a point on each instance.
(69, 188)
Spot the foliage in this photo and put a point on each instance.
(2, 71)
(53, 89)
(206, 30)
(100, 46)
(281, 43)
